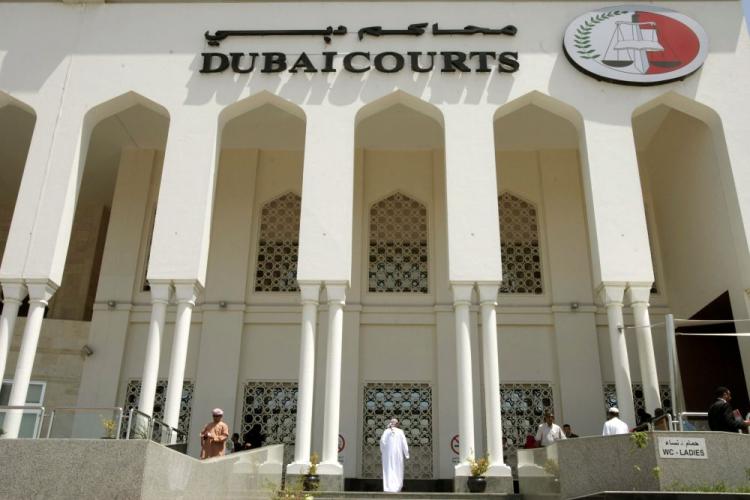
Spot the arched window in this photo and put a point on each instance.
(519, 245)
(398, 256)
(278, 245)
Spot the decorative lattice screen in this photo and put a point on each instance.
(398, 255)
(278, 245)
(665, 394)
(519, 246)
(133, 392)
(522, 407)
(411, 403)
(273, 405)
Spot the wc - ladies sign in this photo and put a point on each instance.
(361, 61)
(637, 45)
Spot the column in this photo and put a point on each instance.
(336, 299)
(309, 294)
(638, 297)
(185, 294)
(461, 303)
(612, 296)
(488, 303)
(39, 295)
(160, 293)
(13, 295)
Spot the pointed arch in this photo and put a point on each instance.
(550, 104)
(398, 253)
(536, 121)
(278, 244)
(400, 97)
(254, 102)
(520, 248)
(8, 100)
(119, 104)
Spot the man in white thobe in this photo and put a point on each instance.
(394, 450)
(614, 425)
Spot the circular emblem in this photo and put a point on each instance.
(342, 443)
(454, 444)
(637, 45)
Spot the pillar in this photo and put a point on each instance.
(39, 295)
(186, 295)
(160, 293)
(309, 298)
(13, 295)
(638, 297)
(336, 299)
(488, 302)
(612, 296)
(461, 303)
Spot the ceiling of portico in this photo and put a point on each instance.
(646, 125)
(399, 127)
(533, 128)
(16, 126)
(136, 127)
(266, 127)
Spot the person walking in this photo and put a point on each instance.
(548, 431)
(393, 449)
(721, 417)
(614, 425)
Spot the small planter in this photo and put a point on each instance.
(476, 484)
(311, 482)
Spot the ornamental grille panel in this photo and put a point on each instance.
(278, 245)
(665, 394)
(522, 407)
(411, 404)
(398, 254)
(133, 393)
(519, 246)
(273, 405)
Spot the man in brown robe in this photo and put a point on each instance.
(214, 435)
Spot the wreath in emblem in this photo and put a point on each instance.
(582, 37)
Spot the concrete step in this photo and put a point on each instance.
(368, 495)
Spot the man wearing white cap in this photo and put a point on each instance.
(614, 425)
(214, 435)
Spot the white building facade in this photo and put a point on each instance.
(451, 228)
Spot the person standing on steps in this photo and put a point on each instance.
(214, 436)
(393, 449)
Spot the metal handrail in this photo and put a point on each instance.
(116, 409)
(37, 408)
(149, 418)
(680, 420)
(150, 428)
(179, 433)
(666, 416)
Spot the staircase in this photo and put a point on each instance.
(368, 495)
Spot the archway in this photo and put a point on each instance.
(400, 266)
(545, 364)
(697, 238)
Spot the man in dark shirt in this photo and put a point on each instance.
(720, 414)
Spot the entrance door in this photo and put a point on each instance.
(411, 404)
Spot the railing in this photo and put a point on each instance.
(80, 423)
(24, 409)
(148, 427)
(687, 420)
(661, 423)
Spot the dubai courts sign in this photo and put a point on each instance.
(636, 45)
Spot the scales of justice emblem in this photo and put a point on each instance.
(636, 44)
